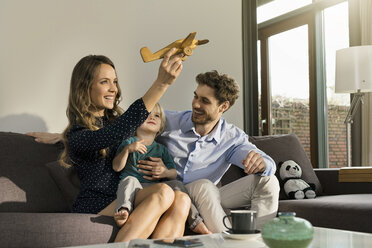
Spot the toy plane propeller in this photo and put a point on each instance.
(185, 46)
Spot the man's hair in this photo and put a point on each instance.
(225, 88)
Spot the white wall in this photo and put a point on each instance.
(42, 40)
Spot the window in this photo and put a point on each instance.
(289, 80)
(278, 7)
(296, 52)
(336, 37)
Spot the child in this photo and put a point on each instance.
(143, 147)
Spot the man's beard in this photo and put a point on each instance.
(201, 120)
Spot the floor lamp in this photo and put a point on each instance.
(353, 75)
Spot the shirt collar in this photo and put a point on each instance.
(216, 132)
(188, 126)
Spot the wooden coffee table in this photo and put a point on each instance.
(323, 238)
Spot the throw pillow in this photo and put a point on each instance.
(25, 184)
(288, 147)
(66, 180)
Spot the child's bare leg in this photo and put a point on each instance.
(121, 217)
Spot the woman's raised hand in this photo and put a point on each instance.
(169, 70)
(170, 67)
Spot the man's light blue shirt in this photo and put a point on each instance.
(209, 156)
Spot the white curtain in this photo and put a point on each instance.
(365, 10)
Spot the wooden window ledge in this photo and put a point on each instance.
(355, 174)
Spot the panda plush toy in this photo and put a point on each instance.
(294, 186)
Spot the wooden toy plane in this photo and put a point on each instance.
(185, 46)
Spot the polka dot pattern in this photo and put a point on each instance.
(98, 181)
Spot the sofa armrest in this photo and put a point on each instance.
(331, 186)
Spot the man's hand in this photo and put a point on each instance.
(253, 163)
(153, 169)
(46, 138)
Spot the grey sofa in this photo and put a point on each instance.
(345, 206)
(36, 195)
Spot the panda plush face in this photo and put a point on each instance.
(290, 169)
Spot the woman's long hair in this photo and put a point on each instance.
(80, 109)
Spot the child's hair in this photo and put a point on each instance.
(80, 109)
(162, 117)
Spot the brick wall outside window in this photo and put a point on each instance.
(292, 116)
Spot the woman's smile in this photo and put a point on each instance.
(104, 89)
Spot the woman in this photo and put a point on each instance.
(96, 128)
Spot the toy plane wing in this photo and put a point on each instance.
(185, 46)
(188, 40)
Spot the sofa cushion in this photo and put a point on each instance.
(288, 147)
(349, 211)
(24, 180)
(66, 180)
(55, 229)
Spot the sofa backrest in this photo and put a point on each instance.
(27, 186)
(25, 183)
(280, 148)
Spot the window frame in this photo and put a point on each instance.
(310, 15)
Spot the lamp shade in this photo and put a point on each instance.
(354, 69)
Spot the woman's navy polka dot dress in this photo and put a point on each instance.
(98, 181)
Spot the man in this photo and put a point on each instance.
(204, 145)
